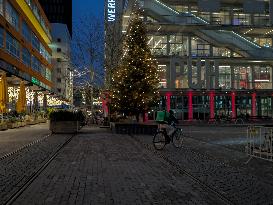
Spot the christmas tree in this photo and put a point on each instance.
(135, 82)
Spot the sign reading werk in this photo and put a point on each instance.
(111, 10)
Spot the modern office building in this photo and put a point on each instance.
(24, 48)
(62, 75)
(58, 11)
(215, 57)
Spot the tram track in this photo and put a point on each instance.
(24, 147)
(182, 171)
(35, 174)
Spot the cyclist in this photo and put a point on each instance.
(170, 128)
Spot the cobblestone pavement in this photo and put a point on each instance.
(103, 168)
(12, 139)
(222, 168)
(230, 137)
(16, 169)
(227, 144)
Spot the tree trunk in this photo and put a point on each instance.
(137, 117)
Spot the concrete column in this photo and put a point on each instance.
(232, 77)
(211, 104)
(271, 12)
(172, 71)
(207, 68)
(168, 101)
(182, 68)
(216, 73)
(168, 75)
(252, 77)
(198, 66)
(168, 45)
(189, 46)
(189, 71)
(253, 104)
(233, 105)
(190, 111)
(252, 19)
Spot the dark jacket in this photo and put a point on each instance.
(172, 119)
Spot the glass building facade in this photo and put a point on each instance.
(24, 42)
(213, 60)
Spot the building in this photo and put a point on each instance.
(58, 11)
(62, 76)
(214, 56)
(25, 54)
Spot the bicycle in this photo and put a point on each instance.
(161, 138)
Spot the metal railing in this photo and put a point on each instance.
(259, 142)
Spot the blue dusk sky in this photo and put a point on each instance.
(81, 7)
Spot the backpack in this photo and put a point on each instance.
(162, 116)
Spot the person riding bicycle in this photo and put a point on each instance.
(170, 128)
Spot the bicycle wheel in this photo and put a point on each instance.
(178, 139)
(159, 140)
(239, 121)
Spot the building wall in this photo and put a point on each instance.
(206, 74)
(58, 11)
(61, 60)
(24, 40)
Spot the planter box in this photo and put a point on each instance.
(12, 125)
(64, 127)
(3, 127)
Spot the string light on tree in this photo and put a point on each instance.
(135, 84)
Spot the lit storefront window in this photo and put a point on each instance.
(200, 47)
(262, 77)
(221, 52)
(162, 69)
(225, 77)
(178, 45)
(242, 77)
(261, 19)
(158, 45)
(240, 18)
(266, 42)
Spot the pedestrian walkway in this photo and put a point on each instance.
(103, 168)
(13, 139)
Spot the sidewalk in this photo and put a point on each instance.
(102, 168)
(12, 139)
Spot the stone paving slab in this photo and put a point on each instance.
(13, 139)
(217, 169)
(16, 169)
(112, 169)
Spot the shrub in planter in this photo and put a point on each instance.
(64, 115)
(63, 121)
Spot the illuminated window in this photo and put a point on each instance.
(12, 46)
(36, 64)
(35, 42)
(1, 37)
(26, 56)
(26, 31)
(1, 7)
(12, 16)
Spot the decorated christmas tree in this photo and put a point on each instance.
(135, 83)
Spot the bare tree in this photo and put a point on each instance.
(88, 50)
(113, 48)
(88, 54)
